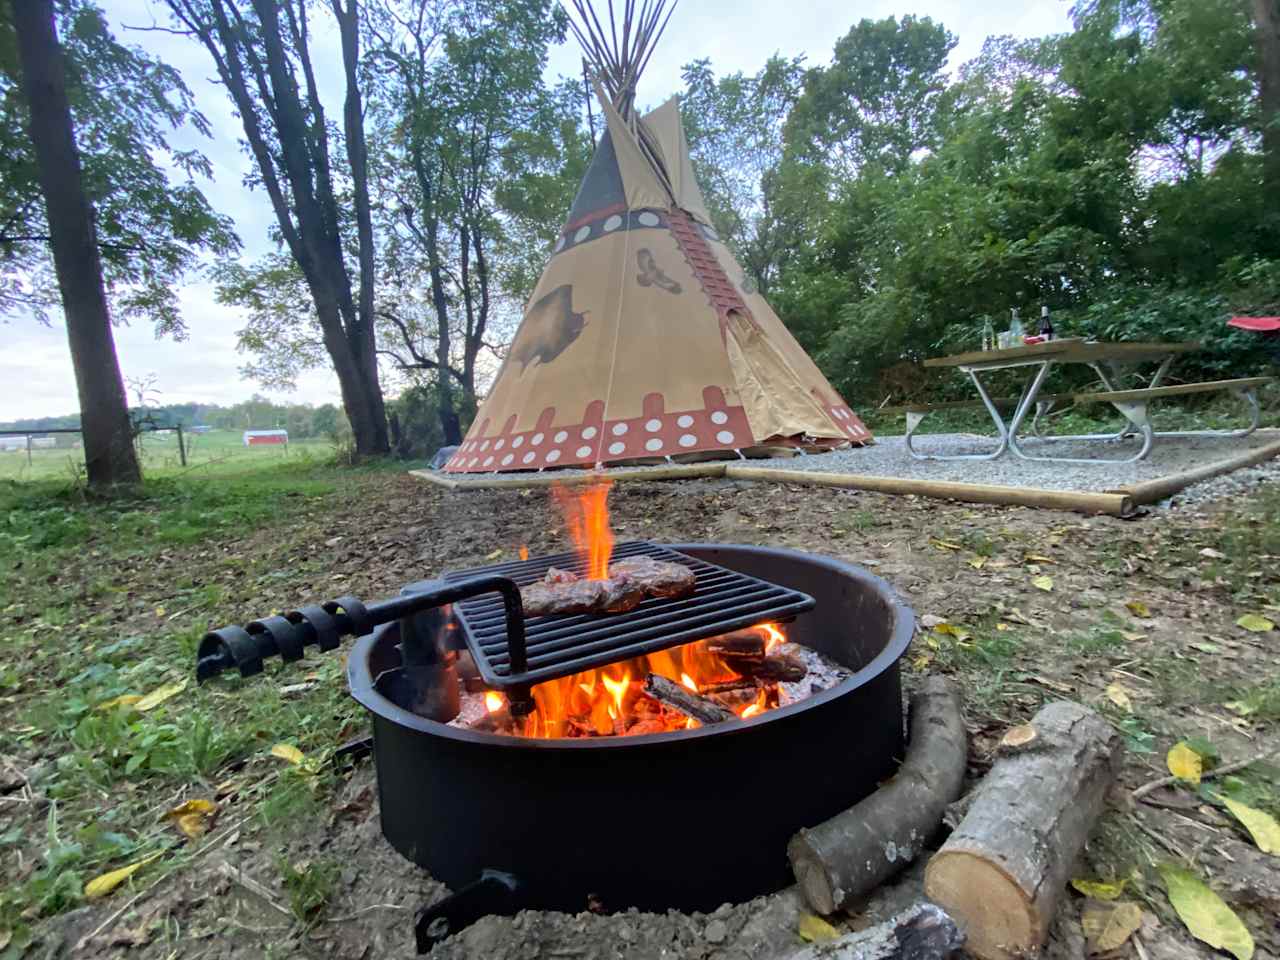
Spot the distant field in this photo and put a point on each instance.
(216, 452)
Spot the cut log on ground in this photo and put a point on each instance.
(1002, 871)
(686, 701)
(924, 932)
(853, 853)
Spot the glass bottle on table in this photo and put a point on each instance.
(1046, 325)
(988, 334)
(1016, 330)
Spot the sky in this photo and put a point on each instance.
(737, 35)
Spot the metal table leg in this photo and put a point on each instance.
(914, 420)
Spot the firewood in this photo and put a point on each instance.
(924, 932)
(1003, 870)
(740, 643)
(685, 701)
(778, 667)
(728, 686)
(497, 721)
(854, 852)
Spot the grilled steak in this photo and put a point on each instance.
(630, 583)
(548, 597)
(658, 577)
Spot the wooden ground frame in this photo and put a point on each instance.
(1123, 501)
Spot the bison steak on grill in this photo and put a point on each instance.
(658, 577)
(630, 582)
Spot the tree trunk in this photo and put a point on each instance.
(104, 411)
(1267, 32)
(854, 852)
(1002, 871)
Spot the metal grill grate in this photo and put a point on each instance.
(559, 646)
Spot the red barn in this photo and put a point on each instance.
(256, 438)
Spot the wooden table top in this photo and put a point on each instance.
(1065, 351)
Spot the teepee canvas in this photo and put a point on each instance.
(644, 337)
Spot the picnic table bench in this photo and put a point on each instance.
(1132, 404)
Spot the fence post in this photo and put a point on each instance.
(182, 450)
(28, 449)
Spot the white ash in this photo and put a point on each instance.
(824, 673)
(472, 712)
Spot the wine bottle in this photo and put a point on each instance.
(1046, 325)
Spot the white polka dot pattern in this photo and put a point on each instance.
(589, 433)
(584, 452)
(684, 422)
(612, 224)
(648, 219)
(582, 234)
(620, 429)
(724, 436)
(561, 437)
(654, 445)
(617, 448)
(719, 418)
(553, 456)
(688, 440)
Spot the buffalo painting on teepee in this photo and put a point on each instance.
(645, 338)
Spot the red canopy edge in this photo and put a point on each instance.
(1256, 324)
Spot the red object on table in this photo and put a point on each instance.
(1256, 324)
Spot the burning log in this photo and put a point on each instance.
(1003, 870)
(497, 721)
(777, 667)
(685, 701)
(854, 852)
(742, 644)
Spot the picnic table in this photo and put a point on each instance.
(1108, 361)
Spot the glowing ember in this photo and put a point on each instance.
(494, 701)
(586, 515)
(757, 708)
(688, 682)
(524, 552)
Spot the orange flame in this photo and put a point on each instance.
(524, 552)
(774, 637)
(586, 514)
(494, 701)
(610, 701)
(757, 708)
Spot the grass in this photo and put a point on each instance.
(78, 640)
(219, 452)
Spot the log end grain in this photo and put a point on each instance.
(969, 886)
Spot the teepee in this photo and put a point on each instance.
(645, 338)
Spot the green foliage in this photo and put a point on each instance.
(1112, 174)
(310, 885)
(125, 105)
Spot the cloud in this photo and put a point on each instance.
(735, 34)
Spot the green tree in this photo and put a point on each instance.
(464, 122)
(110, 458)
(316, 178)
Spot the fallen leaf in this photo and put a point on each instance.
(160, 694)
(1240, 707)
(1184, 763)
(1017, 616)
(1043, 583)
(815, 930)
(929, 621)
(1132, 637)
(1108, 926)
(287, 751)
(951, 630)
(921, 663)
(944, 545)
(978, 562)
(1206, 647)
(1139, 609)
(100, 886)
(1261, 826)
(159, 611)
(1118, 695)
(1002, 627)
(193, 816)
(127, 700)
(1100, 889)
(1205, 914)
(1034, 558)
(495, 555)
(1052, 684)
(1213, 554)
(1255, 623)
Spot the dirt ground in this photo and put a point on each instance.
(1148, 607)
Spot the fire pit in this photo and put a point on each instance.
(657, 756)
(683, 819)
